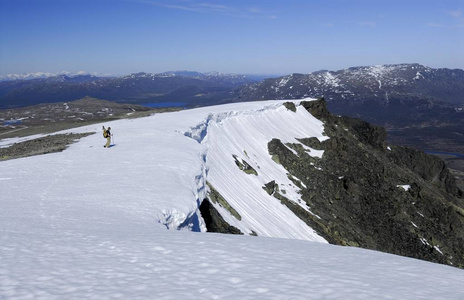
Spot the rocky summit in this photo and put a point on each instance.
(364, 193)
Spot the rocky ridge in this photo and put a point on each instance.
(367, 194)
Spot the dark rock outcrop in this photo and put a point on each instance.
(244, 165)
(430, 168)
(214, 221)
(43, 145)
(363, 193)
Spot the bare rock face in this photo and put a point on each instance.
(430, 168)
(391, 199)
(214, 221)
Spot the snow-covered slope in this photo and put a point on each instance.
(244, 136)
(158, 155)
(90, 222)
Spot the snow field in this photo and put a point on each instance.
(90, 222)
(162, 264)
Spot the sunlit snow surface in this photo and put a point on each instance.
(90, 222)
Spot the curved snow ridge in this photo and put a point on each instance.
(199, 131)
(192, 220)
(243, 136)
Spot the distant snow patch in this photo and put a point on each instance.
(418, 76)
(405, 187)
(284, 81)
(331, 80)
(438, 249)
(313, 152)
(323, 138)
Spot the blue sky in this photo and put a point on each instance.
(236, 36)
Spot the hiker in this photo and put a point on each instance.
(107, 134)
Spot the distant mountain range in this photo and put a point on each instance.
(182, 87)
(43, 75)
(382, 87)
(37, 75)
(420, 106)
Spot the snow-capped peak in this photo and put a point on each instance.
(36, 75)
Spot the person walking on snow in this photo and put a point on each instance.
(107, 134)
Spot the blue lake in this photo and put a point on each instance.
(11, 122)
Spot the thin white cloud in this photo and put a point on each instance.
(263, 13)
(180, 7)
(186, 5)
(213, 7)
(367, 24)
(167, 5)
(207, 7)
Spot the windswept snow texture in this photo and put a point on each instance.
(246, 135)
(91, 222)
